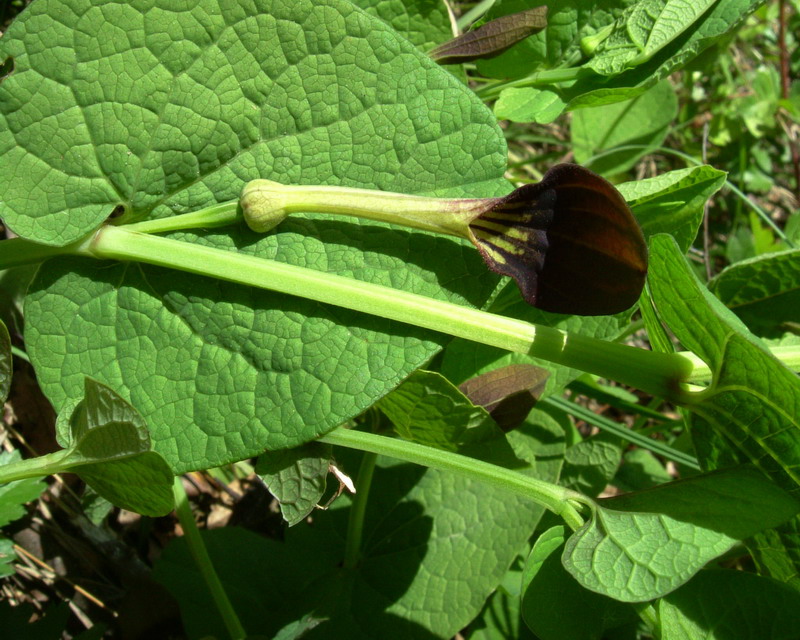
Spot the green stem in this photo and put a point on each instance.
(18, 251)
(788, 355)
(38, 467)
(199, 554)
(557, 499)
(218, 215)
(19, 353)
(609, 426)
(355, 525)
(549, 76)
(476, 12)
(656, 373)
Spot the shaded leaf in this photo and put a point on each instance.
(776, 552)
(640, 470)
(753, 399)
(555, 606)
(589, 465)
(296, 478)
(763, 291)
(501, 618)
(430, 557)
(725, 604)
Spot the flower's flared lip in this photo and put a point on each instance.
(569, 241)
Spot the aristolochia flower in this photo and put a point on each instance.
(570, 241)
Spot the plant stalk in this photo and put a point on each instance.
(557, 499)
(546, 77)
(355, 525)
(203, 561)
(218, 215)
(38, 467)
(656, 373)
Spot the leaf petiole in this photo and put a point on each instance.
(657, 373)
(557, 499)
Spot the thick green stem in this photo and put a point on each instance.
(557, 499)
(656, 373)
(789, 356)
(355, 525)
(203, 561)
(38, 467)
(18, 251)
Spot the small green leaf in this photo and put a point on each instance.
(296, 478)
(555, 606)
(644, 120)
(776, 552)
(492, 38)
(7, 558)
(753, 399)
(528, 104)
(589, 465)
(763, 291)
(15, 495)
(110, 450)
(299, 628)
(673, 202)
(725, 604)
(6, 364)
(641, 546)
(644, 30)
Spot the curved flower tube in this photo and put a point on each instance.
(569, 241)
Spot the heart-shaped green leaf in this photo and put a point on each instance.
(178, 114)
